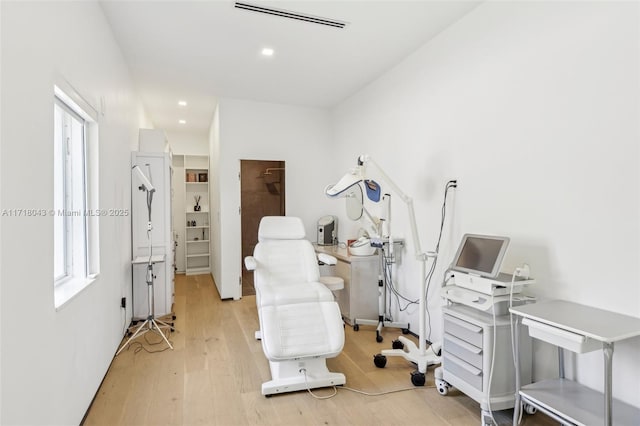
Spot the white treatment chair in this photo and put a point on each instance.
(300, 321)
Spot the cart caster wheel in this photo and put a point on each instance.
(397, 344)
(173, 317)
(417, 378)
(173, 329)
(379, 338)
(529, 409)
(356, 327)
(405, 331)
(380, 360)
(442, 386)
(129, 334)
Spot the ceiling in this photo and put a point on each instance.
(199, 51)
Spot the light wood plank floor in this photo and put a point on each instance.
(214, 374)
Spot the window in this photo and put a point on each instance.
(76, 216)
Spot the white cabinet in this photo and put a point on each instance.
(358, 300)
(197, 231)
(157, 167)
(473, 342)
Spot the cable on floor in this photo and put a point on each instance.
(335, 389)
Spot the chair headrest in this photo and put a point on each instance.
(281, 228)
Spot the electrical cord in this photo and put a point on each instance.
(493, 359)
(516, 272)
(443, 214)
(335, 389)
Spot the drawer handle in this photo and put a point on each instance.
(464, 324)
(460, 363)
(468, 346)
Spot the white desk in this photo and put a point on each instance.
(578, 328)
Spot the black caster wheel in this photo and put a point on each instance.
(174, 317)
(417, 378)
(405, 331)
(356, 327)
(129, 334)
(379, 338)
(173, 329)
(380, 360)
(397, 344)
(530, 409)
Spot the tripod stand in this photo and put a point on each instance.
(150, 323)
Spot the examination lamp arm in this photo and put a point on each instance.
(363, 161)
(146, 183)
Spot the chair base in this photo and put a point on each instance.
(297, 375)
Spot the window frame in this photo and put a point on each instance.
(80, 202)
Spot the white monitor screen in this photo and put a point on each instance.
(481, 255)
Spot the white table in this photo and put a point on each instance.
(578, 328)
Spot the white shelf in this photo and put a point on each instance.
(577, 403)
(195, 271)
(196, 170)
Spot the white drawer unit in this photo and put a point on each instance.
(468, 351)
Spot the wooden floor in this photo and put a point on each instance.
(213, 377)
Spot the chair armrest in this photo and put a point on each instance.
(250, 263)
(327, 259)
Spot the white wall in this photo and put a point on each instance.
(215, 240)
(188, 143)
(262, 131)
(534, 108)
(53, 361)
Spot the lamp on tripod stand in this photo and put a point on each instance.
(150, 323)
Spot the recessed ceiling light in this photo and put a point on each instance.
(182, 121)
(182, 103)
(267, 51)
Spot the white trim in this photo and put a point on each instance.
(66, 291)
(63, 90)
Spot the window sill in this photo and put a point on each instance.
(66, 291)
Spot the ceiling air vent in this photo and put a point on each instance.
(291, 15)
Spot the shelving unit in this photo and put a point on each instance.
(197, 232)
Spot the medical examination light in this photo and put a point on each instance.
(150, 323)
(420, 356)
(146, 183)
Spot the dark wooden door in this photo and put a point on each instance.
(262, 193)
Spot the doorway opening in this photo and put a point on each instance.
(262, 193)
